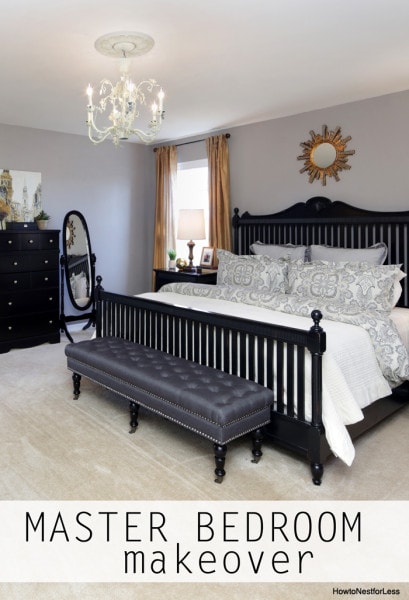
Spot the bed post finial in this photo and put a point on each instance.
(98, 287)
(235, 226)
(316, 316)
(236, 217)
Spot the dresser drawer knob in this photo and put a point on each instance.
(51, 241)
(9, 241)
(46, 261)
(51, 298)
(10, 303)
(15, 281)
(15, 263)
(10, 327)
(45, 278)
(31, 241)
(50, 322)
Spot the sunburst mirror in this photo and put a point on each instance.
(325, 155)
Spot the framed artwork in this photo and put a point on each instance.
(207, 258)
(20, 195)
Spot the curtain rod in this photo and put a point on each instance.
(226, 135)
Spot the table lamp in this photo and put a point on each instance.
(191, 226)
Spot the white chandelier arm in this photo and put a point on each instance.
(100, 138)
(92, 126)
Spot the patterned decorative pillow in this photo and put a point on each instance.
(257, 272)
(370, 287)
(289, 251)
(375, 255)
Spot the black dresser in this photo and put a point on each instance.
(29, 288)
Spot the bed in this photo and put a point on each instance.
(303, 357)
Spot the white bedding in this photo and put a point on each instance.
(352, 378)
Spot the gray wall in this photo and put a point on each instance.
(115, 187)
(110, 186)
(265, 170)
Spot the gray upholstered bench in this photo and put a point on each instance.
(214, 404)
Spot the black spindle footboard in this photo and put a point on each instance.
(284, 359)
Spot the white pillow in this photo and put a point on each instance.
(374, 255)
(81, 287)
(397, 288)
(78, 285)
(289, 251)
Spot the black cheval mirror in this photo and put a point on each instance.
(77, 271)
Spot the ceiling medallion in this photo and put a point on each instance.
(325, 155)
(116, 44)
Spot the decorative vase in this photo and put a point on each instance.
(181, 263)
(172, 265)
(42, 224)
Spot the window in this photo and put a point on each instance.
(192, 192)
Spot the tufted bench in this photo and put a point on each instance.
(212, 403)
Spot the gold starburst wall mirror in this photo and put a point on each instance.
(325, 155)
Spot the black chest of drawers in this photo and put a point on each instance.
(29, 288)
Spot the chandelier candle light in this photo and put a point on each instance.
(126, 99)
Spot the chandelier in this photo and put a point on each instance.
(124, 102)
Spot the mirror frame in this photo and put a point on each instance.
(68, 232)
(341, 154)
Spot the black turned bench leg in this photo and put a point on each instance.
(76, 381)
(220, 456)
(317, 470)
(257, 441)
(134, 410)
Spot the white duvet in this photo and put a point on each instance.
(352, 378)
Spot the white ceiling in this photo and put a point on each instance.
(222, 63)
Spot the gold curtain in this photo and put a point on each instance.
(164, 234)
(219, 192)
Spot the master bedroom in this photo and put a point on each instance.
(268, 84)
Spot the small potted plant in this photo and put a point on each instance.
(42, 219)
(172, 259)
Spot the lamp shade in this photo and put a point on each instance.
(191, 224)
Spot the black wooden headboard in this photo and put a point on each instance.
(321, 221)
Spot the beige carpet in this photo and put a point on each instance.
(55, 448)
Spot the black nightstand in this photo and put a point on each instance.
(169, 276)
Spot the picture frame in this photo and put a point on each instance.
(207, 257)
(20, 199)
